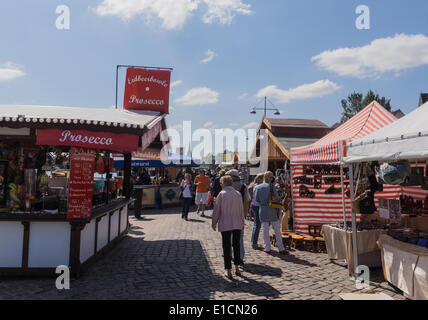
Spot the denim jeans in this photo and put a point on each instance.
(257, 225)
(231, 237)
(186, 203)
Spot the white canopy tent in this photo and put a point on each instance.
(406, 138)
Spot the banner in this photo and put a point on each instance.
(80, 186)
(147, 89)
(150, 136)
(87, 139)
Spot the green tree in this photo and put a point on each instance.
(355, 103)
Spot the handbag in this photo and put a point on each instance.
(273, 201)
(209, 199)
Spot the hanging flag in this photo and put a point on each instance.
(147, 89)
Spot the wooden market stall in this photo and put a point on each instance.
(404, 249)
(285, 134)
(59, 204)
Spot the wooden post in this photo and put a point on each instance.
(127, 175)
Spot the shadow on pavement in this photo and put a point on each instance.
(164, 269)
(262, 270)
(293, 259)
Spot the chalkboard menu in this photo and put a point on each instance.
(80, 186)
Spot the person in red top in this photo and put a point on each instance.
(202, 183)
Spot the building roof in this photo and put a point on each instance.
(423, 99)
(297, 123)
(288, 142)
(91, 118)
(398, 113)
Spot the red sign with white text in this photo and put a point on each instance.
(147, 89)
(87, 139)
(150, 136)
(80, 186)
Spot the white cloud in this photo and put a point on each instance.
(174, 13)
(224, 11)
(208, 124)
(251, 125)
(10, 71)
(392, 54)
(198, 96)
(242, 96)
(307, 91)
(209, 56)
(233, 124)
(176, 83)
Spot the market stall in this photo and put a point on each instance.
(320, 195)
(169, 193)
(59, 204)
(401, 148)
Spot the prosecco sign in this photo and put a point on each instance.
(87, 139)
(147, 89)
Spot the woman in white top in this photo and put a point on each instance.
(255, 210)
(186, 195)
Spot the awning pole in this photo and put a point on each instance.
(354, 222)
(343, 184)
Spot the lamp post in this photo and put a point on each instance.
(253, 110)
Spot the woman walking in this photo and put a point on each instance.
(264, 192)
(255, 210)
(228, 214)
(186, 195)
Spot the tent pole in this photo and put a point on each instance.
(343, 185)
(354, 223)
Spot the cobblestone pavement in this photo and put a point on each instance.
(165, 257)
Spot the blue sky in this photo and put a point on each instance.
(262, 47)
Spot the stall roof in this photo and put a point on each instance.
(327, 149)
(92, 118)
(406, 138)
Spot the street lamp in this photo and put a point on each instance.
(277, 113)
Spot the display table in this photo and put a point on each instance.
(405, 266)
(35, 244)
(339, 246)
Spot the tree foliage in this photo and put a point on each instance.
(355, 103)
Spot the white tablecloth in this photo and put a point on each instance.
(405, 265)
(339, 246)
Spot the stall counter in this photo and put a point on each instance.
(339, 246)
(405, 266)
(35, 244)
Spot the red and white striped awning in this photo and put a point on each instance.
(327, 149)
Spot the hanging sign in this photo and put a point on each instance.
(150, 136)
(147, 89)
(80, 186)
(87, 139)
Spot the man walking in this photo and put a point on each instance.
(202, 183)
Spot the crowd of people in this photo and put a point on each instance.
(265, 200)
